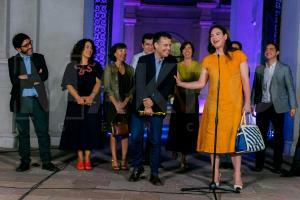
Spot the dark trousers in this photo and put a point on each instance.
(263, 120)
(296, 160)
(137, 143)
(31, 108)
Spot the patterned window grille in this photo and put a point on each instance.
(102, 13)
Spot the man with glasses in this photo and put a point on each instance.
(27, 72)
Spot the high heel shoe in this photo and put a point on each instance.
(87, 165)
(115, 165)
(124, 165)
(183, 164)
(237, 188)
(80, 165)
(219, 180)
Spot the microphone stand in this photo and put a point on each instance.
(212, 188)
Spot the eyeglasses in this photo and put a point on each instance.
(28, 44)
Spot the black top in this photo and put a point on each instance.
(82, 78)
(124, 85)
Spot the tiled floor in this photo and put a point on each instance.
(102, 183)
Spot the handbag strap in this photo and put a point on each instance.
(243, 119)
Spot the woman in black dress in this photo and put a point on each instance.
(82, 127)
(118, 86)
(184, 122)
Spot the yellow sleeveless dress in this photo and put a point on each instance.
(230, 103)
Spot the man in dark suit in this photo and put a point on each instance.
(27, 72)
(273, 94)
(154, 83)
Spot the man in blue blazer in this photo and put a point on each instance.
(273, 94)
(154, 83)
(27, 72)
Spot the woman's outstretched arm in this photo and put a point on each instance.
(199, 84)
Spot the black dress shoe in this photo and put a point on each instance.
(135, 174)
(23, 167)
(291, 173)
(50, 167)
(276, 170)
(155, 180)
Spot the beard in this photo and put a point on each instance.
(27, 52)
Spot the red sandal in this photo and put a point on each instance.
(87, 165)
(80, 165)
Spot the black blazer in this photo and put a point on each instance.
(147, 87)
(16, 67)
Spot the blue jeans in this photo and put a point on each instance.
(137, 141)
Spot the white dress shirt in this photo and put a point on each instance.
(136, 58)
(268, 74)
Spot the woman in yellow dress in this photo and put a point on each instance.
(231, 69)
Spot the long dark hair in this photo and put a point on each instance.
(78, 48)
(227, 47)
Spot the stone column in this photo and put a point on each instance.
(129, 39)
(3, 28)
(118, 26)
(246, 27)
(7, 131)
(7, 135)
(289, 54)
(89, 19)
(202, 46)
(203, 38)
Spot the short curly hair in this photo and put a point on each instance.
(19, 39)
(113, 50)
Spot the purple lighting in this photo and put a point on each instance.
(100, 30)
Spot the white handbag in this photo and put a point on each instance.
(249, 138)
